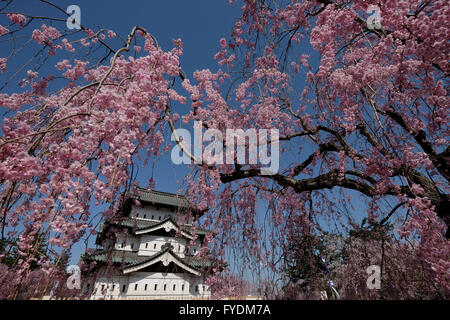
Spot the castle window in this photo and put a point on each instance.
(132, 245)
(196, 288)
(103, 287)
(113, 286)
(137, 215)
(146, 245)
(182, 287)
(124, 288)
(154, 246)
(174, 287)
(153, 217)
(145, 287)
(165, 286)
(135, 287)
(156, 287)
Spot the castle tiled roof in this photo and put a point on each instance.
(130, 259)
(160, 197)
(138, 224)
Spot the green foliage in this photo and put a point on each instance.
(9, 249)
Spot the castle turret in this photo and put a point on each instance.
(150, 249)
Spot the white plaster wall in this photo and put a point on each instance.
(152, 214)
(110, 287)
(127, 243)
(150, 245)
(142, 284)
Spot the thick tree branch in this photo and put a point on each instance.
(325, 181)
(439, 160)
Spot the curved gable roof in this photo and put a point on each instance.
(165, 257)
(168, 224)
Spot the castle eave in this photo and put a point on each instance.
(167, 225)
(165, 257)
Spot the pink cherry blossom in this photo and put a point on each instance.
(3, 64)
(18, 19)
(3, 30)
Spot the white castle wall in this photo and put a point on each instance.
(127, 243)
(150, 284)
(148, 245)
(151, 245)
(153, 214)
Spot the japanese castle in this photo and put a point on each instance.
(149, 250)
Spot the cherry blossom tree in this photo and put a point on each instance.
(362, 112)
(369, 122)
